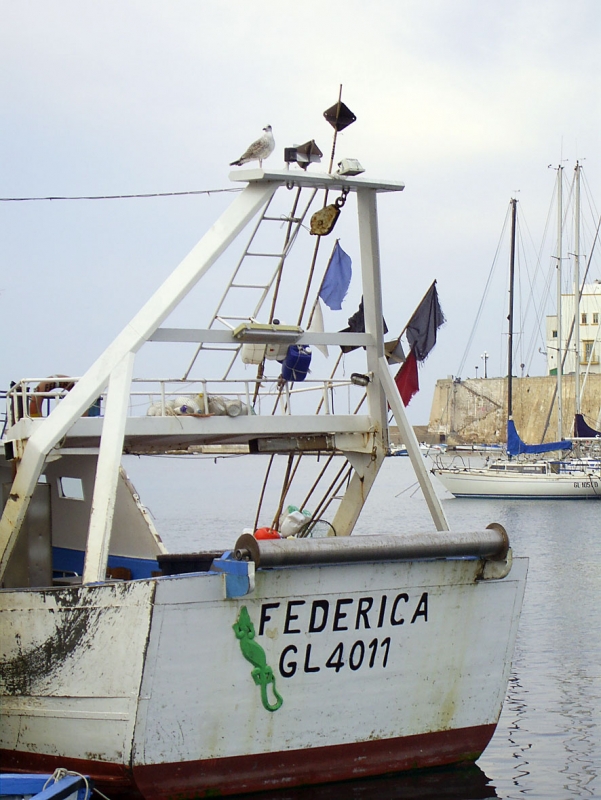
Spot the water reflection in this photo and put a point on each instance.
(449, 783)
(515, 722)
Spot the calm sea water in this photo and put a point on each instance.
(548, 741)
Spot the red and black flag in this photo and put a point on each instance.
(421, 334)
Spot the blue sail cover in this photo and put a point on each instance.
(515, 446)
(582, 430)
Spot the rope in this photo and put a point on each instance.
(118, 196)
(61, 773)
(484, 295)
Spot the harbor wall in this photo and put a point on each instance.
(474, 410)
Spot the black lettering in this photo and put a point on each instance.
(353, 663)
(393, 618)
(373, 646)
(422, 608)
(290, 616)
(335, 660)
(386, 645)
(324, 607)
(365, 603)
(287, 670)
(382, 610)
(309, 668)
(340, 614)
(265, 617)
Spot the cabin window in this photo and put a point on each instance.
(583, 317)
(554, 334)
(70, 488)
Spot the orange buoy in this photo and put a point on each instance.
(266, 533)
(53, 382)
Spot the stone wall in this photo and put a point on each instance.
(475, 410)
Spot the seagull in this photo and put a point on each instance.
(258, 150)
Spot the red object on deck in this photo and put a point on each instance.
(266, 533)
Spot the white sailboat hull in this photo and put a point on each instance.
(520, 485)
(381, 667)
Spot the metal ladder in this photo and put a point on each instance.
(294, 222)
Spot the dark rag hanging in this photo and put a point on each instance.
(423, 325)
(356, 324)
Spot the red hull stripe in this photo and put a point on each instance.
(238, 774)
(193, 779)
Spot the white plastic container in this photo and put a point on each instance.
(186, 405)
(252, 353)
(292, 522)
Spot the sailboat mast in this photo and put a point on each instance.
(559, 303)
(577, 286)
(510, 316)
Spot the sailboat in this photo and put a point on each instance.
(558, 477)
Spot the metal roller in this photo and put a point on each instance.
(490, 544)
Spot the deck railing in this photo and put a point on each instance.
(35, 398)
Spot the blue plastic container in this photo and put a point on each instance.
(296, 364)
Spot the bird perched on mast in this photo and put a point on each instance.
(258, 150)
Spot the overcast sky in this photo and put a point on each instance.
(467, 101)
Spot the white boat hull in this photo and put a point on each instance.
(144, 684)
(515, 485)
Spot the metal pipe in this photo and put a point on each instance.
(577, 318)
(492, 543)
(559, 303)
(510, 316)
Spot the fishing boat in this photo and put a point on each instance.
(283, 658)
(523, 471)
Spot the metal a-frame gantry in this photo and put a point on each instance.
(113, 370)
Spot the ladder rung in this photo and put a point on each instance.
(248, 286)
(265, 255)
(282, 219)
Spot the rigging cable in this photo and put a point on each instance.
(484, 295)
(537, 330)
(119, 196)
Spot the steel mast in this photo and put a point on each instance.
(577, 287)
(559, 303)
(510, 315)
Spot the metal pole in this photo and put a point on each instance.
(577, 288)
(491, 543)
(559, 304)
(510, 316)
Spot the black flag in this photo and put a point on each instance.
(356, 324)
(423, 325)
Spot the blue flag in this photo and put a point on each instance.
(337, 279)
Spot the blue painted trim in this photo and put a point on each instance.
(238, 582)
(15, 784)
(66, 560)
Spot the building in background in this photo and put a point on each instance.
(589, 320)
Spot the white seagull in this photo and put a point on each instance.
(258, 150)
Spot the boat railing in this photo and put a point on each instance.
(35, 398)
(233, 397)
(32, 398)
